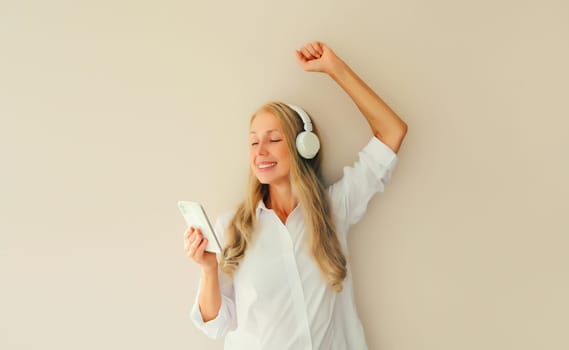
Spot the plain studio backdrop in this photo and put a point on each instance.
(112, 111)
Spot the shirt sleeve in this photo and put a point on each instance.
(360, 182)
(226, 319)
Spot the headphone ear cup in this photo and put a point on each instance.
(307, 144)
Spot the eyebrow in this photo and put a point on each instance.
(268, 131)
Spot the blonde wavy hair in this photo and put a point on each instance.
(307, 186)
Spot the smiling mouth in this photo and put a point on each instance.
(267, 165)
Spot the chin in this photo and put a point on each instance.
(263, 180)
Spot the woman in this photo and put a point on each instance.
(283, 281)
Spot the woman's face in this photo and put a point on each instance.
(268, 151)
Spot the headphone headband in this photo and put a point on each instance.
(303, 116)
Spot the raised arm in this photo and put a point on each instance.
(384, 123)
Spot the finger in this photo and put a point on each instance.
(300, 57)
(199, 251)
(191, 238)
(196, 233)
(313, 50)
(188, 233)
(201, 248)
(194, 237)
(318, 46)
(307, 53)
(187, 241)
(193, 247)
(188, 248)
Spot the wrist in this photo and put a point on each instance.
(209, 271)
(338, 69)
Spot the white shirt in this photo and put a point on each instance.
(278, 298)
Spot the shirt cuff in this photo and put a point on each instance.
(380, 154)
(214, 329)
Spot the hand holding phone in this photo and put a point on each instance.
(194, 215)
(194, 248)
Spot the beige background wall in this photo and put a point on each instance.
(111, 111)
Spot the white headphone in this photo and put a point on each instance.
(307, 143)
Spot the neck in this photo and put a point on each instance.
(281, 200)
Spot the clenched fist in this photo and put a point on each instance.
(317, 57)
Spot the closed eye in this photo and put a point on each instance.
(256, 143)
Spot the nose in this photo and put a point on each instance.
(262, 148)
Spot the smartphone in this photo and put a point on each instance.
(194, 215)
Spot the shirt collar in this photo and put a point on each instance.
(260, 205)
